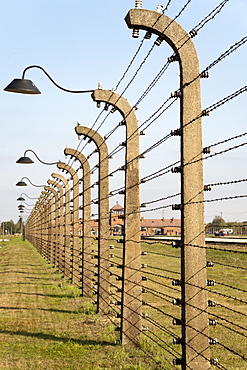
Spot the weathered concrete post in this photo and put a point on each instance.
(54, 224)
(61, 215)
(46, 197)
(103, 235)
(66, 224)
(131, 310)
(86, 226)
(193, 254)
(38, 225)
(75, 255)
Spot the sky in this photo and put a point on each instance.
(81, 43)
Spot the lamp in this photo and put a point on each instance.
(23, 86)
(27, 160)
(22, 183)
(21, 199)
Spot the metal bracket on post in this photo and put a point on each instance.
(193, 253)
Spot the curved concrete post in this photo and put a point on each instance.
(66, 225)
(46, 197)
(131, 314)
(38, 222)
(54, 224)
(103, 236)
(60, 258)
(75, 255)
(86, 221)
(193, 254)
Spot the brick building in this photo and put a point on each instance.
(161, 226)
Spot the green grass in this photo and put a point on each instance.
(164, 260)
(45, 324)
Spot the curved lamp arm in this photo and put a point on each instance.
(51, 79)
(41, 186)
(25, 159)
(26, 196)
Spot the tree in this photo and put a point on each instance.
(9, 227)
(218, 221)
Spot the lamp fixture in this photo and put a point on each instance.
(27, 160)
(21, 199)
(24, 86)
(22, 183)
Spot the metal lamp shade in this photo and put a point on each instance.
(22, 86)
(21, 183)
(21, 199)
(25, 160)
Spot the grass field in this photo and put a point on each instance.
(229, 272)
(45, 324)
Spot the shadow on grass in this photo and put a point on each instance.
(56, 339)
(38, 309)
(58, 295)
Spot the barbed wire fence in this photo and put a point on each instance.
(160, 278)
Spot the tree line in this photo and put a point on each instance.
(10, 228)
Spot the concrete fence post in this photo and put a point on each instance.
(103, 216)
(131, 309)
(54, 224)
(66, 224)
(59, 263)
(75, 255)
(86, 221)
(195, 347)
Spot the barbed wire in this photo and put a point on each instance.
(210, 16)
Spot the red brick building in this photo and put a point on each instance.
(147, 226)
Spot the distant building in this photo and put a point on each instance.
(154, 226)
(116, 220)
(161, 226)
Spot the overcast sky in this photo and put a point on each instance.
(83, 42)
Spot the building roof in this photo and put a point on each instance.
(117, 207)
(157, 223)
